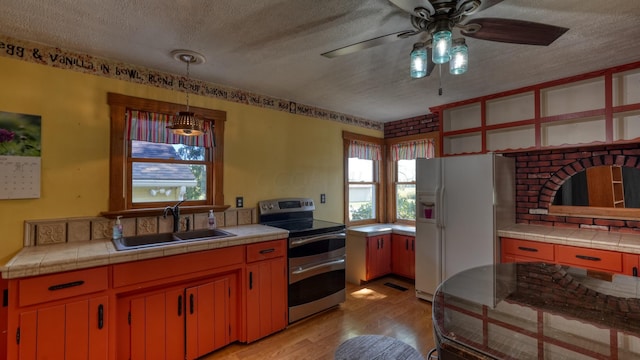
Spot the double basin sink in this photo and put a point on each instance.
(153, 240)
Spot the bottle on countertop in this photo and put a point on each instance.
(117, 229)
(212, 220)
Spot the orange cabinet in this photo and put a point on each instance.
(630, 264)
(378, 256)
(516, 250)
(59, 316)
(403, 255)
(266, 289)
(594, 259)
(178, 322)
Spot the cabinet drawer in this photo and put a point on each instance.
(164, 268)
(266, 250)
(59, 286)
(529, 249)
(589, 258)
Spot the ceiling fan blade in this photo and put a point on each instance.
(410, 6)
(512, 31)
(349, 49)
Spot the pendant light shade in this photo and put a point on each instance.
(459, 57)
(418, 61)
(185, 122)
(441, 46)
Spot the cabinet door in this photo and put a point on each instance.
(76, 330)
(378, 256)
(157, 325)
(630, 264)
(403, 255)
(207, 324)
(266, 298)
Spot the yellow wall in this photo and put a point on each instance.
(268, 153)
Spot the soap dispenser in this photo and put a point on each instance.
(117, 229)
(212, 220)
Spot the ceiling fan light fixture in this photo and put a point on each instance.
(418, 61)
(459, 57)
(441, 46)
(185, 123)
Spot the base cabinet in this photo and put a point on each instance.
(73, 330)
(179, 322)
(266, 289)
(403, 255)
(378, 256)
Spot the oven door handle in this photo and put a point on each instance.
(303, 241)
(301, 270)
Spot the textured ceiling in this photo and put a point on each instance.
(273, 47)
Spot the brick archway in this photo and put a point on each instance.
(553, 184)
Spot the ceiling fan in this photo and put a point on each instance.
(437, 18)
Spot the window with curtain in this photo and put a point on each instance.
(363, 169)
(151, 167)
(404, 157)
(166, 167)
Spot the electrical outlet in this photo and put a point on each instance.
(323, 198)
(239, 202)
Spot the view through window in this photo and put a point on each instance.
(406, 190)
(362, 189)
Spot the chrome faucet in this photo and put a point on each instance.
(175, 211)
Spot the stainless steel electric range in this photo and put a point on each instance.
(316, 255)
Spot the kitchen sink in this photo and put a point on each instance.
(153, 240)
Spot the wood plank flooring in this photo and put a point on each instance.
(373, 308)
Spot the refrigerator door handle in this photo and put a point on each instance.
(440, 210)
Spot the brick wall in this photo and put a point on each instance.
(415, 125)
(539, 175)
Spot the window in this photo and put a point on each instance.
(363, 193)
(403, 155)
(152, 168)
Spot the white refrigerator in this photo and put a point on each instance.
(460, 201)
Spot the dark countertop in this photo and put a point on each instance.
(537, 311)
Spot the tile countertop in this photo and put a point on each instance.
(596, 239)
(381, 229)
(47, 259)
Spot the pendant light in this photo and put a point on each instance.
(419, 61)
(459, 57)
(185, 122)
(441, 46)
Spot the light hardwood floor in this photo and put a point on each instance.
(373, 308)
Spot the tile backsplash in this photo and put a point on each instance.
(56, 231)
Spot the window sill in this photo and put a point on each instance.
(158, 211)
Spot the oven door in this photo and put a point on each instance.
(316, 287)
(306, 250)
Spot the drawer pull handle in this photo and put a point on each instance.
(250, 280)
(590, 258)
(266, 251)
(100, 316)
(635, 271)
(524, 248)
(66, 285)
(191, 304)
(179, 305)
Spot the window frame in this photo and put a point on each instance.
(120, 179)
(379, 178)
(392, 175)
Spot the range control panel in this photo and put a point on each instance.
(285, 205)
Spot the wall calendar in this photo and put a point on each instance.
(19, 156)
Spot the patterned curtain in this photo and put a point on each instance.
(152, 127)
(364, 150)
(412, 150)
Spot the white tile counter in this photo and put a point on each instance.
(46, 259)
(381, 229)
